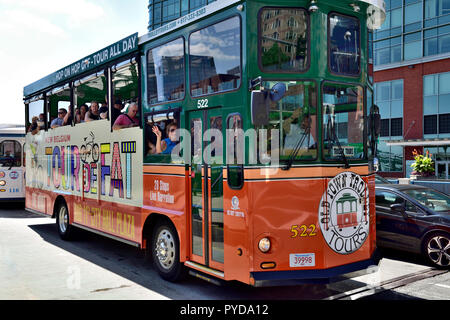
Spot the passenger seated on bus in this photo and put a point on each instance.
(41, 121)
(151, 148)
(62, 119)
(116, 110)
(103, 111)
(128, 120)
(80, 115)
(34, 127)
(92, 114)
(166, 146)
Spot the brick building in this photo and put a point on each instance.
(411, 56)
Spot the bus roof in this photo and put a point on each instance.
(10, 130)
(91, 62)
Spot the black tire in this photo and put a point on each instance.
(65, 230)
(165, 249)
(436, 249)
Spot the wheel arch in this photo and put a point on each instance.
(149, 225)
(58, 201)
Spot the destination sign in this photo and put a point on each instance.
(97, 59)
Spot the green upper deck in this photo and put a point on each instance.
(373, 12)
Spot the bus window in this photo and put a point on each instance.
(295, 118)
(215, 58)
(125, 88)
(343, 122)
(344, 45)
(10, 154)
(284, 35)
(161, 136)
(35, 114)
(165, 72)
(59, 110)
(93, 92)
(235, 159)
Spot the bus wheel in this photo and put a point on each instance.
(62, 222)
(166, 252)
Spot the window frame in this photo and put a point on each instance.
(147, 73)
(365, 120)
(318, 115)
(237, 166)
(149, 159)
(308, 39)
(112, 69)
(240, 53)
(329, 45)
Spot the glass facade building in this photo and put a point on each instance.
(413, 29)
(162, 12)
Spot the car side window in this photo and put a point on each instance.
(386, 199)
(410, 207)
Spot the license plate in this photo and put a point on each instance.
(300, 260)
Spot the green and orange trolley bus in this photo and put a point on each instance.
(234, 142)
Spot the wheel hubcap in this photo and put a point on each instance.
(63, 219)
(439, 250)
(165, 249)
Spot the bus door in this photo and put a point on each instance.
(206, 178)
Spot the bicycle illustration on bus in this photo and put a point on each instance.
(90, 150)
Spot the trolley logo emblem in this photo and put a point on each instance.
(14, 175)
(235, 203)
(344, 213)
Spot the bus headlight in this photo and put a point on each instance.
(2, 183)
(264, 245)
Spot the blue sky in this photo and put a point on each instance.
(39, 37)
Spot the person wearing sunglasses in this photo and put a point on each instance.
(166, 146)
(60, 121)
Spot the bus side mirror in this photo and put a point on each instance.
(261, 100)
(374, 128)
(260, 105)
(375, 122)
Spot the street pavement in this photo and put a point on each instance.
(35, 264)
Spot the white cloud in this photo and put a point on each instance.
(41, 36)
(80, 10)
(24, 22)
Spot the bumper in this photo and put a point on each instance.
(295, 277)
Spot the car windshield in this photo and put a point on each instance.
(432, 199)
(381, 180)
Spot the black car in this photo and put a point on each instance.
(415, 219)
(381, 180)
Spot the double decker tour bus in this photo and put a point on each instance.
(222, 142)
(12, 169)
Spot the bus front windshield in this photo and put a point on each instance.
(343, 122)
(10, 154)
(294, 117)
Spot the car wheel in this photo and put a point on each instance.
(62, 222)
(166, 252)
(436, 248)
